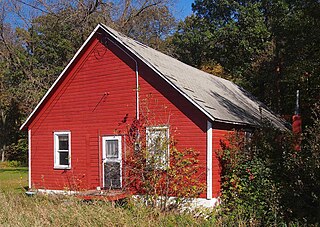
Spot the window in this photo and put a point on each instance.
(112, 148)
(158, 147)
(62, 150)
(247, 140)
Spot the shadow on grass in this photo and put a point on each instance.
(18, 169)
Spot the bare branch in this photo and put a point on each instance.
(144, 7)
(33, 6)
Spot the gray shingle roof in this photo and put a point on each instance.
(220, 99)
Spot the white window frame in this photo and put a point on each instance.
(56, 151)
(165, 159)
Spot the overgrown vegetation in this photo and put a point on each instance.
(17, 209)
(168, 176)
(267, 181)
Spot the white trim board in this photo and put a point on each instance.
(29, 159)
(209, 160)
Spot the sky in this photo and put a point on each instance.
(183, 8)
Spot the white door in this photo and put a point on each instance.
(112, 164)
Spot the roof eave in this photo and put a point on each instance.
(213, 119)
(103, 27)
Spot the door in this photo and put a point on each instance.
(112, 163)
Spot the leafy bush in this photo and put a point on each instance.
(17, 152)
(14, 163)
(249, 188)
(11, 164)
(267, 181)
(155, 167)
(175, 179)
(301, 176)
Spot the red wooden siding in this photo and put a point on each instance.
(97, 93)
(187, 123)
(218, 135)
(95, 96)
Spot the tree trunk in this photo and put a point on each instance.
(2, 154)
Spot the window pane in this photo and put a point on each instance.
(63, 142)
(157, 141)
(112, 148)
(112, 174)
(63, 158)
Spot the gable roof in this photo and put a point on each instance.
(219, 99)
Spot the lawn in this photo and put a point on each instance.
(13, 179)
(17, 209)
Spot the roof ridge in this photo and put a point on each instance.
(218, 98)
(150, 48)
(236, 96)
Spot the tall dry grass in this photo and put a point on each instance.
(19, 210)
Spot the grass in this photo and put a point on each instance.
(13, 179)
(17, 209)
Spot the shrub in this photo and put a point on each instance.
(267, 181)
(14, 163)
(11, 164)
(149, 172)
(301, 176)
(249, 188)
(177, 179)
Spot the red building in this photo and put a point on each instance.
(74, 134)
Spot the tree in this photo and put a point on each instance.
(52, 38)
(10, 113)
(34, 51)
(191, 42)
(268, 47)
